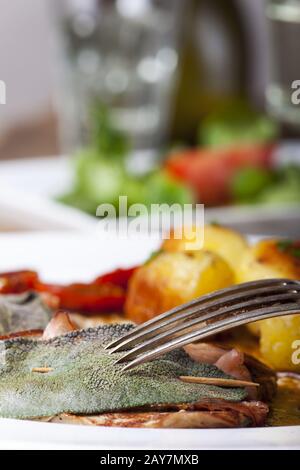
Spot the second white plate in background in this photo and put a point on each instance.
(28, 188)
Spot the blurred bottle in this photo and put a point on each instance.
(213, 67)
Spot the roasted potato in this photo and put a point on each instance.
(273, 259)
(170, 279)
(269, 259)
(223, 241)
(278, 337)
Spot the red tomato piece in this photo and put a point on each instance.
(209, 171)
(16, 282)
(119, 277)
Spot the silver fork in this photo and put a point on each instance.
(207, 315)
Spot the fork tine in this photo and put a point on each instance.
(129, 342)
(150, 327)
(175, 310)
(168, 335)
(214, 328)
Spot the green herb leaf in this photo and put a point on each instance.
(284, 245)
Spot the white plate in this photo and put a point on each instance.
(66, 257)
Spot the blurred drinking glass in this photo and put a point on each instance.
(122, 53)
(284, 24)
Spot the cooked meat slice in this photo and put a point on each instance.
(218, 414)
(232, 363)
(175, 419)
(238, 365)
(255, 411)
(205, 352)
(59, 325)
(229, 361)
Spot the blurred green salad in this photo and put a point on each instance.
(277, 186)
(236, 124)
(233, 164)
(101, 174)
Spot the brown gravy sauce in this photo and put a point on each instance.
(285, 407)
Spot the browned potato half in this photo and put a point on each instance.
(273, 259)
(171, 279)
(223, 241)
(269, 259)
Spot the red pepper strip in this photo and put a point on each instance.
(22, 334)
(119, 277)
(17, 282)
(105, 294)
(87, 298)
